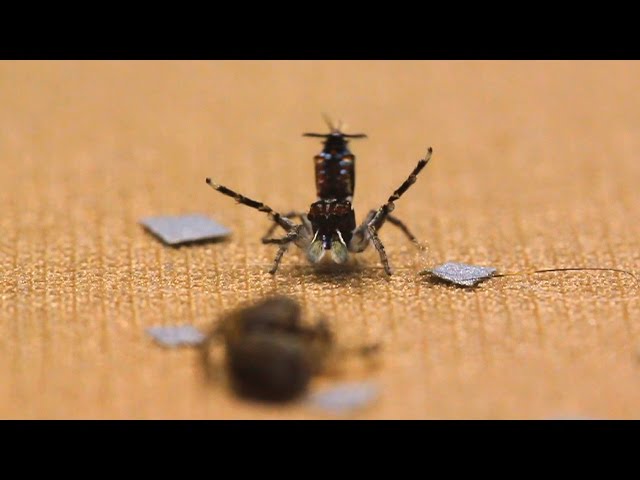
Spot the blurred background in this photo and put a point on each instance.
(535, 165)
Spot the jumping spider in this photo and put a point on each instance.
(330, 224)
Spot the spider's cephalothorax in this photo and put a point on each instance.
(330, 227)
(332, 224)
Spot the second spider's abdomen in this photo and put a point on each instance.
(335, 175)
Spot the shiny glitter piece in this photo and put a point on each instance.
(345, 398)
(181, 229)
(176, 336)
(462, 274)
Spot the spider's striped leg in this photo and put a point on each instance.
(382, 213)
(284, 243)
(380, 248)
(266, 238)
(275, 216)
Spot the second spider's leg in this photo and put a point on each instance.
(284, 243)
(380, 248)
(266, 237)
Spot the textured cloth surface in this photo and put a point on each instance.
(535, 165)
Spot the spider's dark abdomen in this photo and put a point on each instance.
(335, 169)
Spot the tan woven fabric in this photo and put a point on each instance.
(535, 165)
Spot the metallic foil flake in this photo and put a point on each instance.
(181, 229)
(176, 336)
(462, 274)
(344, 398)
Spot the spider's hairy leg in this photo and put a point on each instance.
(281, 220)
(266, 238)
(367, 231)
(401, 225)
(380, 248)
(388, 207)
(284, 243)
(360, 238)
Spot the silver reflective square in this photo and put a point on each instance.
(462, 274)
(176, 336)
(181, 229)
(344, 398)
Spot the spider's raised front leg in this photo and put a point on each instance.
(376, 218)
(266, 238)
